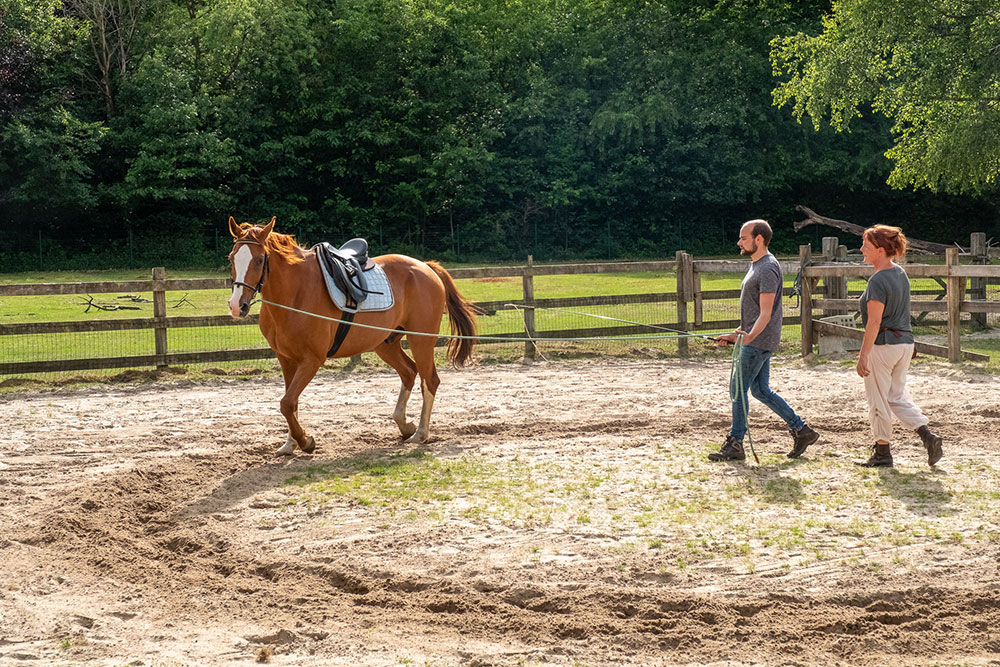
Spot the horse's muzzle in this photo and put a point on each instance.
(240, 310)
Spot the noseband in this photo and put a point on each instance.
(263, 273)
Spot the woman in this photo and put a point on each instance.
(887, 347)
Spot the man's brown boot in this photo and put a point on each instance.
(802, 438)
(732, 450)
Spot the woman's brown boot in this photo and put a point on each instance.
(881, 458)
(932, 443)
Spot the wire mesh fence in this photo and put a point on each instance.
(586, 315)
(40, 328)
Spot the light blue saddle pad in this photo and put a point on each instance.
(377, 282)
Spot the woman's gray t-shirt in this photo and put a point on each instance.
(891, 287)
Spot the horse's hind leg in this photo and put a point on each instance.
(392, 354)
(423, 354)
(297, 375)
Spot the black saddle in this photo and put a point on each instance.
(347, 265)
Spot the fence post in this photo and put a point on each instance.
(805, 300)
(955, 290)
(528, 286)
(699, 315)
(977, 286)
(842, 281)
(834, 287)
(685, 278)
(160, 317)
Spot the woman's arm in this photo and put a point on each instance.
(875, 311)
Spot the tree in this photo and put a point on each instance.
(113, 24)
(46, 140)
(929, 65)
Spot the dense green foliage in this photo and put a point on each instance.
(931, 66)
(486, 129)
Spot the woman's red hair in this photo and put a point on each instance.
(891, 239)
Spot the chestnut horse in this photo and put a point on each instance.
(285, 273)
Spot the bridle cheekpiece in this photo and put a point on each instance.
(263, 274)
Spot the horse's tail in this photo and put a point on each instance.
(461, 314)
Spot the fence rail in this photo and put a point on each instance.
(688, 298)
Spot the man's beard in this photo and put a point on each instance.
(752, 250)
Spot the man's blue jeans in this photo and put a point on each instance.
(756, 367)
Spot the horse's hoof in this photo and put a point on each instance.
(418, 438)
(408, 429)
(286, 449)
(309, 447)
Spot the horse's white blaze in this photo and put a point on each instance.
(241, 262)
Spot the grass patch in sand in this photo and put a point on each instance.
(671, 501)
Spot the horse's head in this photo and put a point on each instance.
(248, 261)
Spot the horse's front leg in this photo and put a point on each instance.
(297, 375)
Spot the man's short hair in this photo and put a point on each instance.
(760, 228)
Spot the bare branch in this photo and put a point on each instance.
(114, 26)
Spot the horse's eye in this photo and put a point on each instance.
(260, 260)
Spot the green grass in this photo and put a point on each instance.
(413, 481)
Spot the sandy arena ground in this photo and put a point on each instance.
(152, 526)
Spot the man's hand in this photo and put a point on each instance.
(726, 339)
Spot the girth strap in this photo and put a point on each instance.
(346, 318)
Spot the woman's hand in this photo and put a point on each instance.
(864, 368)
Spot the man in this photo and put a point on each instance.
(760, 325)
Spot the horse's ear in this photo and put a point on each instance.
(234, 228)
(267, 228)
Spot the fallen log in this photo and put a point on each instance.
(915, 245)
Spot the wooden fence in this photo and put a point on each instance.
(688, 298)
(959, 298)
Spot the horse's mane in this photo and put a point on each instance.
(284, 245)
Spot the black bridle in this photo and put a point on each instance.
(263, 274)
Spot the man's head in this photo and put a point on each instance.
(754, 235)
